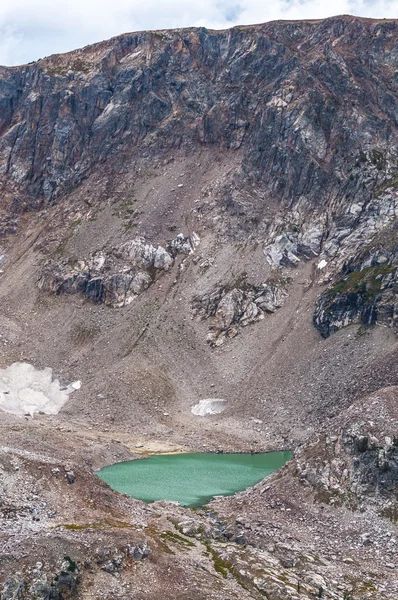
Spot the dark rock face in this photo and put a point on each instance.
(356, 462)
(366, 292)
(290, 95)
(63, 586)
(140, 551)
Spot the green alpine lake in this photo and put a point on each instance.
(191, 479)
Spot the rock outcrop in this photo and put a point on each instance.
(230, 309)
(365, 292)
(356, 462)
(116, 278)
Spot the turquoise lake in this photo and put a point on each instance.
(191, 479)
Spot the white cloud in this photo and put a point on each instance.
(30, 29)
(10, 42)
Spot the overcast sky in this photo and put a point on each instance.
(31, 29)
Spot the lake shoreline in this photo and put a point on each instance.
(192, 478)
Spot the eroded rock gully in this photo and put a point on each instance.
(198, 182)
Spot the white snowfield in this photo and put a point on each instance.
(209, 406)
(27, 390)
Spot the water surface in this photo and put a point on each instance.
(191, 479)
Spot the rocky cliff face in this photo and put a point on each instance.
(366, 289)
(310, 124)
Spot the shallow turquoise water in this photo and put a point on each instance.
(191, 479)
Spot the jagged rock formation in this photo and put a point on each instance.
(97, 280)
(232, 309)
(366, 291)
(356, 461)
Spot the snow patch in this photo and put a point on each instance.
(209, 406)
(27, 390)
(322, 264)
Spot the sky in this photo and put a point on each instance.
(32, 29)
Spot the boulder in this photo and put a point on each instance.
(138, 253)
(184, 244)
(162, 259)
(141, 254)
(140, 551)
(283, 251)
(229, 309)
(271, 298)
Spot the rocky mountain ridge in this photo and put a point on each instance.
(165, 90)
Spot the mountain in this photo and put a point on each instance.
(190, 215)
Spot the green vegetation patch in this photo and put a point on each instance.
(367, 282)
(62, 246)
(72, 566)
(78, 66)
(177, 539)
(391, 512)
(221, 566)
(378, 159)
(389, 183)
(100, 525)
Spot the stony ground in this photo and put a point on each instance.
(319, 526)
